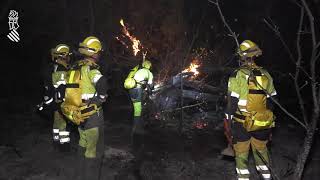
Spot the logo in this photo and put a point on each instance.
(13, 26)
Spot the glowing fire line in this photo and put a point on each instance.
(135, 42)
(193, 68)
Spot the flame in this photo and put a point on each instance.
(122, 23)
(135, 42)
(193, 68)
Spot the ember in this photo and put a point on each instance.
(200, 124)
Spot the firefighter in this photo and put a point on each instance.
(139, 82)
(54, 95)
(86, 91)
(249, 111)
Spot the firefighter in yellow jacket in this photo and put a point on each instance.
(60, 58)
(139, 82)
(86, 91)
(249, 111)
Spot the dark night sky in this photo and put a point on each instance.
(42, 25)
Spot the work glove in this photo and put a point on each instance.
(47, 101)
(40, 106)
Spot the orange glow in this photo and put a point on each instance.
(193, 68)
(200, 124)
(135, 42)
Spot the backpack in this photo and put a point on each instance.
(259, 117)
(130, 82)
(73, 108)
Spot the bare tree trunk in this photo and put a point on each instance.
(301, 161)
(307, 145)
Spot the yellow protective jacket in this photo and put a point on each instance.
(143, 76)
(238, 85)
(90, 75)
(249, 89)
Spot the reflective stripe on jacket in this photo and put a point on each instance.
(90, 77)
(58, 75)
(238, 86)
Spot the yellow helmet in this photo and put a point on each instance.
(90, 46)
(61, 50)
(146, 64)
(249, 49)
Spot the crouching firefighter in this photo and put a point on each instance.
(86, 91)
(138, 82)
(249, 111)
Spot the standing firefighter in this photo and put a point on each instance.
(86, 90)
(249, 111)
(54, 94)
(139, 81)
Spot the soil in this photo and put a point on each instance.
(26, 150)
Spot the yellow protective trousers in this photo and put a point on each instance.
(60, 133)
(257, 141)
(136, 95)
(92, 138)
(88, 140)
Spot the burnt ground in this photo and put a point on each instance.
(26, 151)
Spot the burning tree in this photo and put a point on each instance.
(186, 101)
(180, 86)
